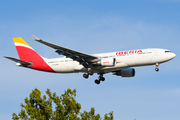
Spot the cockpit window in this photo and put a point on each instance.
(167, 51)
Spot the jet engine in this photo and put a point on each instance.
(128, 72)
(107, 62)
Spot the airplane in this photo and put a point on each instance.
(119, 63)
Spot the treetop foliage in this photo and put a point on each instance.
(66, 107)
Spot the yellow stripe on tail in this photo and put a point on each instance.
(20, 40)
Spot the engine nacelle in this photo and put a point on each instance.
(128, 72)
(108, 62)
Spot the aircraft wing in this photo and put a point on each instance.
(82, 58)
(19, 61)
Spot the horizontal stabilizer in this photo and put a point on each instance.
(19, 61)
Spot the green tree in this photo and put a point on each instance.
(66, 108)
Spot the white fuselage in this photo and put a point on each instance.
(124, 59)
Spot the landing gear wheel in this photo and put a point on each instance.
(85, 76)
(102, 79)
(91, 73)
(157, 69)
(97, 81)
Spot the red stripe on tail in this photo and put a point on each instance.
(29, 55)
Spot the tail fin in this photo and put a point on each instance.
(25, 51)
(28, 54)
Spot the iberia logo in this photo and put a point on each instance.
(128, 52)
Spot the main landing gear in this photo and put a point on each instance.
(86, 76)
(90, 72)
(101, 78)
(97, 81)
(157, 69)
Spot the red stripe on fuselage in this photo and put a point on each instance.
(29, 55)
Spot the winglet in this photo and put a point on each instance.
(35, 38)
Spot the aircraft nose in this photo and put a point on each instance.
(173, 55)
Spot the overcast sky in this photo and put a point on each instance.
(94, 26)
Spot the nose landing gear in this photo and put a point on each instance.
(157, 69)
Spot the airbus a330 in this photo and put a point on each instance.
(119, 63)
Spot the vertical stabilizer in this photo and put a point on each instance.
(28, 54)
(25, 51)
